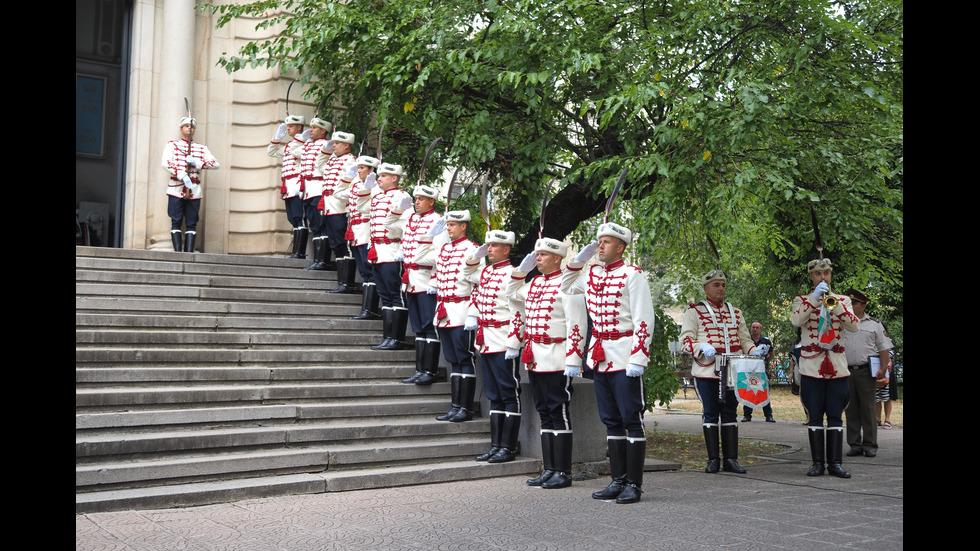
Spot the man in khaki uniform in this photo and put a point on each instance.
(869, 341)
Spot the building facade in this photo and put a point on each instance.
(136, 61)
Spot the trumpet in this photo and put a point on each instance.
(829, 302)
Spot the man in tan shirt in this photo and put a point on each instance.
(869, 341)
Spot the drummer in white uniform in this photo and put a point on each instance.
(710, 329)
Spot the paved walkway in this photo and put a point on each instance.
(774, 506)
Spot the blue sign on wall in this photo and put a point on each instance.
(89, 115)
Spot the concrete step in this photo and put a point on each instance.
(220, 491)
(201, 378)
(95, 444)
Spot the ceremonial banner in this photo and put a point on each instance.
(751, 385)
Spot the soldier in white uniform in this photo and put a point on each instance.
(621, 310)
(453, 284)
(490, 316)
(287, 145)
(184, 159)
(824, 377)
(553, 344)
(709, 328)
(333, 205)
(387, 224)
(316, 149)
(359, 232)
(419, 250)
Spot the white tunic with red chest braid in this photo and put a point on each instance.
(554, 324)
(492, 308)
(619, 303)
(310, 168)
(827, 360)
(454, 282)
(722, 326)
(358, 213)
(290, 150)
(386, 232)
(336, 186)
(175, 161)
(419, 251)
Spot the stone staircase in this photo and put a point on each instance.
(203, 378)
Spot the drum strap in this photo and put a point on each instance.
(723, 326)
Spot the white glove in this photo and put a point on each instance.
(633, 370)
(351, 171)
(529, 263)
(430, 290)
(481, 251)
(306, 135)
(470, 324)
(587, 252)
(760, 350)
(187, 181)
(821, 290)
(280, 132)
(511, 353)
(400, 255)
(192, 161)
(371, 181)
(707, 350)
(328, 147)
(572, 371)
(438, 227)
(405, 203)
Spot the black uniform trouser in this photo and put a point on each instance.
(824, 397)
(294, 211)
(183, 211)
(621, 401)
(421, 310)
(552, 393)
(363, 266)
(336, 230)
(388, 282)
(457, 348)
(502, 382)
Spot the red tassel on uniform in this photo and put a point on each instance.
(441, 311)
(349, 235)
(479, 336)
(598, 354)
(405, 277)
(528, 356)
(827, 367)
(282, 190)
(319, 205)
(372, 254)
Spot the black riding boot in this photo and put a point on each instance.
(454, 386)
(636, 455)
(729, 449)
(617, 468)
(711, 444)
(835, 450)
(563, 462)
(496, 435)
(547, 459)
(508, 442)
(816, 438)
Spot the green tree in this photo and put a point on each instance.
(735, 118)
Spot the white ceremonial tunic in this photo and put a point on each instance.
(419, 251)
(554, 324)
(454, 283)
(823, 362)
(336, 186)
(311, 168)
(721, 326)
(358, 213)
(619, 304)
(492, 308)
(386, 225)
(290, 150)
(175, 162)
